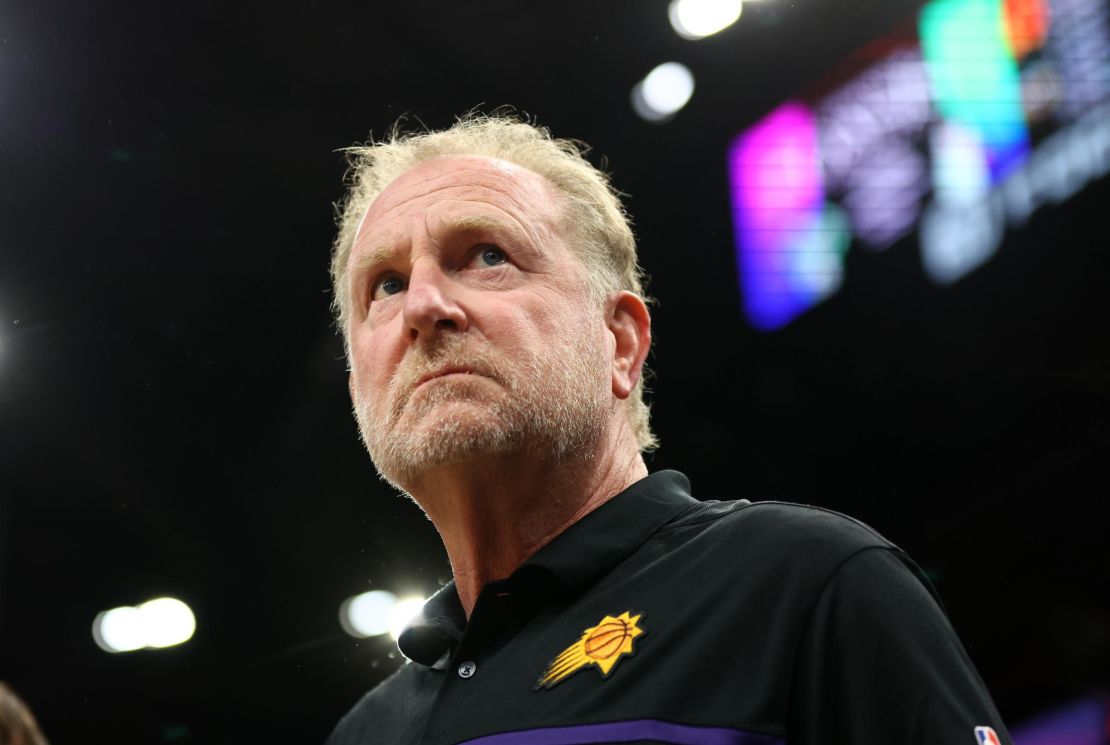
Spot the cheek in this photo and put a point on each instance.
(574, 318)
(532, 330)
(370, 363)
(561, 312)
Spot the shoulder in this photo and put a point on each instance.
(782, 544)
(382, 715)
(780, 527)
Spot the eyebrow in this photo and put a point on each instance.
(471, 223)
(385, 254)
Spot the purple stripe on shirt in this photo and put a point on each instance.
(638, 729)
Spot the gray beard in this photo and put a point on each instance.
(551, 406)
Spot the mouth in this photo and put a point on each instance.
(443, 372)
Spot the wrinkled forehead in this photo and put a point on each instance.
(480, 181)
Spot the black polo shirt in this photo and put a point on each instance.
(659, 618)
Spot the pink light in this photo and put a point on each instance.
(779, 175)
(778, 208)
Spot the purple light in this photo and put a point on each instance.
(884, 200)
(1082, 723)
(784, 244)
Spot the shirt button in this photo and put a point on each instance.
(467, 670)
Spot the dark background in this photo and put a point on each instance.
(173, 408)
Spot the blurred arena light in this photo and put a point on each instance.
(405, 610)
(1079, 723)
(663, 92)
(378, 612)
(156, 624)
(167, 622)
(119, 630)
(1012, 102)
(367, 614)
(697, 19)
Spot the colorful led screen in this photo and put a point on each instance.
(993, 109)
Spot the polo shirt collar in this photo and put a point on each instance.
(580, 554)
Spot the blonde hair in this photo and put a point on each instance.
(17, 723)
(600, 229)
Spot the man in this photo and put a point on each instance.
(487, 286)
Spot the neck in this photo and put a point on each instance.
(494, 513)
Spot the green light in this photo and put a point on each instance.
(974, 77)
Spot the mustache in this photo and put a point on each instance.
(445, 351)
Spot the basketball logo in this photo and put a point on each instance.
(604, 640)
(600, 645)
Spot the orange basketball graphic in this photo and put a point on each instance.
(605, 640)
(600, 646)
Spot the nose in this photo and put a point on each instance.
(430, 306)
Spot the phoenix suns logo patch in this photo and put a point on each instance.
(602, 646)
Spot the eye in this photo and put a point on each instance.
(386, 286)
(492, 256)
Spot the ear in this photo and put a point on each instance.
(629, 322)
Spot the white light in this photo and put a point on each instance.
(119, 630)
(664, 91)
(367, 614)
(956, 239)
(403, 612)
(697, 19)
(162, 622)
(166, 622)
(961, 174)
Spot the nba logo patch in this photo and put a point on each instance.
(601, 646)
(986, 736)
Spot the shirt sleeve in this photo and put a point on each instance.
(880, 663)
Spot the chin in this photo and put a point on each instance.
(464, 436)
(452, 422)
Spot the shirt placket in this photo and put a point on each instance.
(490, 626)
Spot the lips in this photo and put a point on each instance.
(442, 372)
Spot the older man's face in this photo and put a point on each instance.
(472, 329)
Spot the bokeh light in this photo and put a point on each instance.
(697, 19)
(378, 612)
(402, 613)
(368, 614)
(663, 92)
(156, 624)
(167, 622)
(119, 630)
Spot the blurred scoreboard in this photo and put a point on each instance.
(956, 130)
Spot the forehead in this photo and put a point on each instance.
(460, 185)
